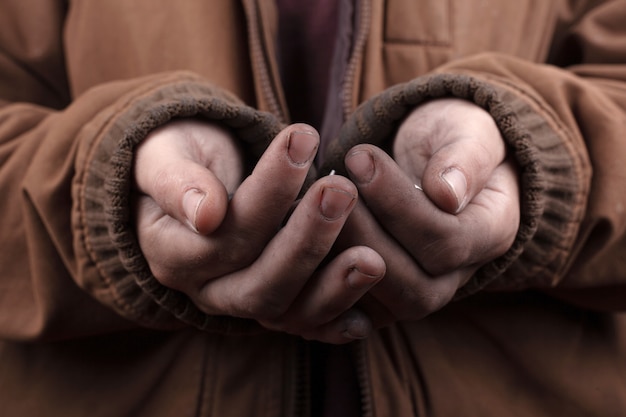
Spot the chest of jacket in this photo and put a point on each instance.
(234, 43)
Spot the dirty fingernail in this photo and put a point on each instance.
(302, 147)
(335, 203)
(361, 166)
(191, 203)
(457, 183)
(358, 280)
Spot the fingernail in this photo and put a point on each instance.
(191, 203)
(335, 203)
(458, 185)
(358, 280)
(302, 147)
(357, 326)
(361, 166)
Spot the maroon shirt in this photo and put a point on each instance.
(307, 35)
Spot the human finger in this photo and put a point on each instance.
(439, 241)
(250, 219)
(266, 289)
(408, 291)
(265, 197)
(329, 294)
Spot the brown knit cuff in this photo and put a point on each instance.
(110, 233)
(549, 172)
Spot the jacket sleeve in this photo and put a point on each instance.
(565, 123)
(69, 262)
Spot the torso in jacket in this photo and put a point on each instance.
(234, 44)
(484, 355)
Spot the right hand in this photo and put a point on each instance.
(233, 257)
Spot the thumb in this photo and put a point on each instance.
(191, 194)
(447, 187)
(204, 207)
(186, 167)
(457, 172)
(459, 147)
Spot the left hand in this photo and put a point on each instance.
(432, 239)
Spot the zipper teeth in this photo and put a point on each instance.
(360, 353)
(259, 56)
(302, 377)
(355, 59)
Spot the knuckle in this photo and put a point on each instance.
(313, 250)
(417, 304)
(433, 301)
(264, 305)
(446, 255)
(237, 252)
(171, 277)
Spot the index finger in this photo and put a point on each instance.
(262, 201)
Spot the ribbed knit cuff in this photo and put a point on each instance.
(110, 233)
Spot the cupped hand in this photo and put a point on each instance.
(253, 255)
(444, 205)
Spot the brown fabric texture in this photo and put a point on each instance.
(86, 329)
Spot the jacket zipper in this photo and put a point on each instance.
(349, 103)
(364, 9)
(301, 376)
(362, 374)
(344, 88)
(260, 62)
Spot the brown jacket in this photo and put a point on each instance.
(87, 330)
